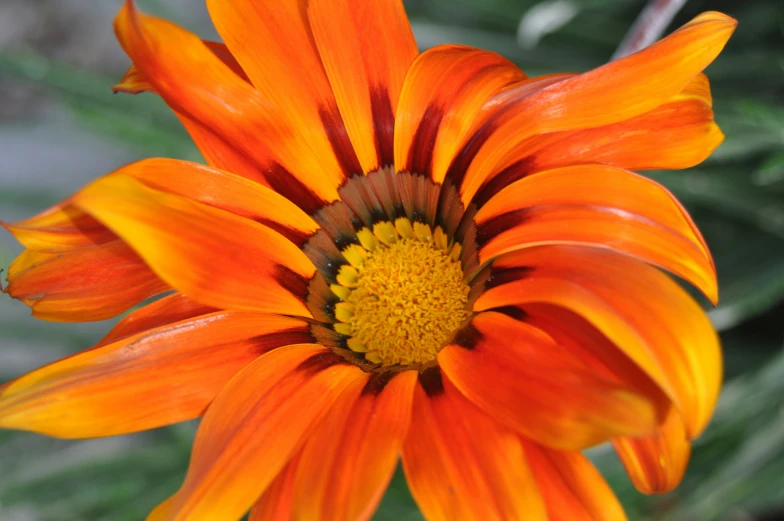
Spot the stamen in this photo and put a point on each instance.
(408, 296)
(394, 258)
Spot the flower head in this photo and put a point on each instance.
(388, 253)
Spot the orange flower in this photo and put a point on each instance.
(389, 252)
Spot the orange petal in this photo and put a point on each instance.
(487, 121)
(677, 134)
(162, 312)
(64, 226)
(304, 481)
(346, 465)
(216, 150)
(134, 81)
(199, 86)
(463, 465)
(656, 463)
(277, 50)
(185, 242)
(162, 376)
(84, 284)
(615, 92)
(571, 486)
(585, 342)
(226, 191)
(254, 427)
(445, 89)
(601, 205)
(517, 374)
(681, 131)
(277, 501)
(639, 308)
(221, 153)
(366, 48)
(60, 228)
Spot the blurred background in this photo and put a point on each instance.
(60, 127)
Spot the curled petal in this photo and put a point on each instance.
(516, 373)
(487, 122)
(571, 486)
(134, 81)
(444, 92)
(599, 205)
(640, 309)
(656, 463)
(677, 134)
(614, 92)
(582, 340)
(681, 131)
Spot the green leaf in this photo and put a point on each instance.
(771, 171)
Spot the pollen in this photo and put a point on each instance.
(408, 296)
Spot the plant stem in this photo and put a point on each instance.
(649, 26)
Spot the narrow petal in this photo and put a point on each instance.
(134, 81)
(601, 205)
(185, 242)
(60, 228)
(677, 134)
(615, 92)
(226, 191)
(64, 226)
(681, 132)
(571, 487)
(517, 374)
(346, 465)
(639, 308)
(82, 285)
(656, 463)
(164, 311)
(222, 153)
(275, 46)
(486, 122)
(461, 465)
(277, 501)
(162, 376)
(445, 89)
(201, 87)
(366, 49)
(584, 341)
(80, 270)
(254, 427)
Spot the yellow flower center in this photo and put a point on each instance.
(403, 295)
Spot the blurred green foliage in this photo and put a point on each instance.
(736, 197)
